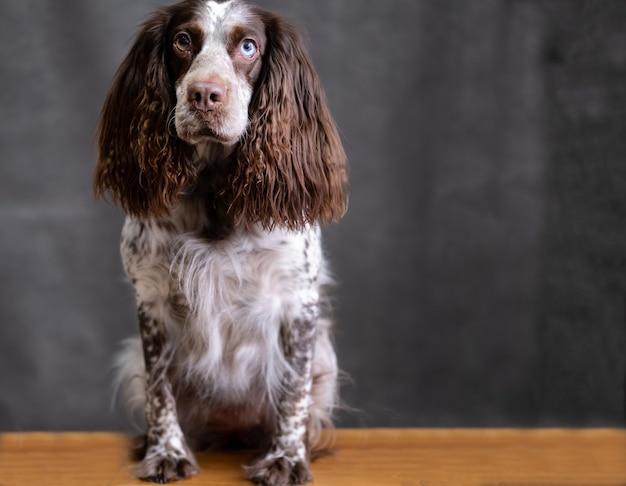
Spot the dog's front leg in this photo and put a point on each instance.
(287, 461)
(168, 457)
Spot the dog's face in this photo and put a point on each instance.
(214, 54)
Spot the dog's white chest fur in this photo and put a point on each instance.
(225, 302)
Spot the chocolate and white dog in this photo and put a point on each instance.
(217, 141)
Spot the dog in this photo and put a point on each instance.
(217, 141)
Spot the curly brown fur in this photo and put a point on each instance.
(290, 169)
(142, 165)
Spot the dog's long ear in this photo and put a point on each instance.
(141, 165)
(290, 169)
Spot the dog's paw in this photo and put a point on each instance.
(165, 467)
(279, 471)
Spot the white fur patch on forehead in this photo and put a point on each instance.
(218, 14)
(216, 10)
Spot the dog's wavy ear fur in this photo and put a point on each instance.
(290, 169)
(142, 165)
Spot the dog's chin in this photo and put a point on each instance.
(206, 135)
(203, 131)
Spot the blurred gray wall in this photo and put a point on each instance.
(481, 265)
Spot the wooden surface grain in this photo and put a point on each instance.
(376, 457)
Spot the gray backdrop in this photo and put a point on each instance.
(481, 265)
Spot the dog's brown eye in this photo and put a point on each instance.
(182, 42)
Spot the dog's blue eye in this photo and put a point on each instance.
(248, 48)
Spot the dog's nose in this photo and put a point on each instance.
(206, 95)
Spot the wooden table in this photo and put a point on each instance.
(376, 457)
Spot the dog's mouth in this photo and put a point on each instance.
(203, 131)
(203, 127)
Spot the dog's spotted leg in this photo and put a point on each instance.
(167, 457)
(287, 461)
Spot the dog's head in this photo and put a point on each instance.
(227, 73)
